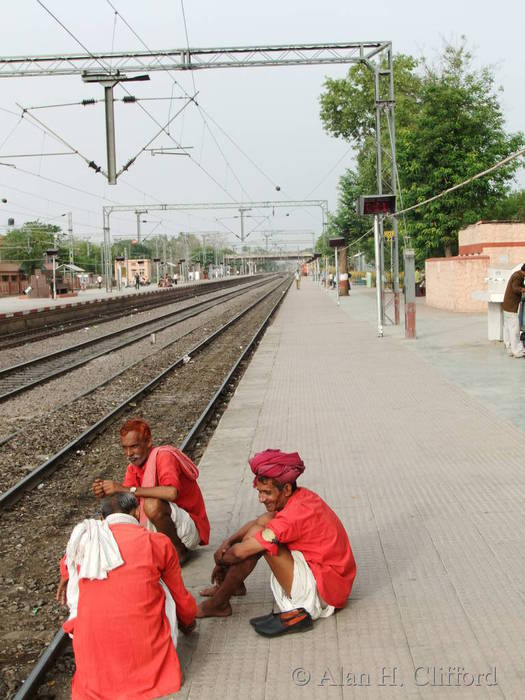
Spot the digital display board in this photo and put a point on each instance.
(376, 204)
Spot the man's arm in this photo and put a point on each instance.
(517, 285)
(233, 539)
(242, 550)
(107, 487)
(184, 602)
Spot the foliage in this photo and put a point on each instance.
(27, 244)
(449, 127)
(512, 208)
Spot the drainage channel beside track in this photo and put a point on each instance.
(211, 407)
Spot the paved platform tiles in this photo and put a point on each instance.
(430, 486)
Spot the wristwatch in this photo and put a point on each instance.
(132, 489)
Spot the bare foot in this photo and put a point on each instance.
(212, 590)
(208, 609)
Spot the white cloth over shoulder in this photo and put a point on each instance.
(92, 552)
(187, 531)
(304, 593)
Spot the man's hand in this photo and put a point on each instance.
(110, 487)
(221, 550)
(187, 629)
(218, 574)
(61, 592)
(98, 488)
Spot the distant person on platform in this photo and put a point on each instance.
(137, 281)
(126, 597)
(99, 282)
(297, 277)
(304, 544)
(511, 323)
(165, 481)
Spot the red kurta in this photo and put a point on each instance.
(121, 636)
(189, 495)
(309, 525)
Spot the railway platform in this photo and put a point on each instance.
(12, 304)
(419, 447)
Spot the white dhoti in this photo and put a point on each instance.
(511, 334)
(186, 529)
(304, 593)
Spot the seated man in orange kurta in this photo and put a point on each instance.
(165, 481)
(303, 542)
(125, 594)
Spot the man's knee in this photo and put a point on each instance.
(155, 508)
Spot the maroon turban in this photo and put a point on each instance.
(284, 467)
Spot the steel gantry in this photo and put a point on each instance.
(109, 68)
(277, 204)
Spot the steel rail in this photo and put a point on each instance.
(59, 642)
(49, 466)
(102, 313)
(134, 335)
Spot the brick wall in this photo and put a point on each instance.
(450, 282)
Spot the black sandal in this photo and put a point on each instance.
(284, 623)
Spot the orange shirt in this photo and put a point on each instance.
(189, 495)
(121, 636)
(309, 525)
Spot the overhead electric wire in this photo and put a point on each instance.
(228, 165)
(187, 39)
(498, 165)
(327, 175)
(192, 98)
(10, 134)
(105, 67)
(175, 82)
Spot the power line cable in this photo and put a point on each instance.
(105, 67)
(498, 165)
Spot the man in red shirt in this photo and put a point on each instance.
(126, 595)
(303, 542)
(164, 480)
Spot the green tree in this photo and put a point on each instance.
(27, 245)
(512, 208)
(449, 126)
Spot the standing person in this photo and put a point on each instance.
(165, 481)
(125, 593)
(511, 322)
(137, 281)
(99, 282)
(303, 542)
(297, 277)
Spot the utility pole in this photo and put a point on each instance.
(108, 82)
(241, 212)
(139, 213)
(71, 248)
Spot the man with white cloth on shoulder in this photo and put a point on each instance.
(125, 593)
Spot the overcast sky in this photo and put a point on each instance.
(272, 114)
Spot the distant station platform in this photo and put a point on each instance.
(408, 442)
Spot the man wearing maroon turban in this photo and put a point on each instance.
(304, 543)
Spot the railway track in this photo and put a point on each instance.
(25, 375)
(102, 313)
(60, 640)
